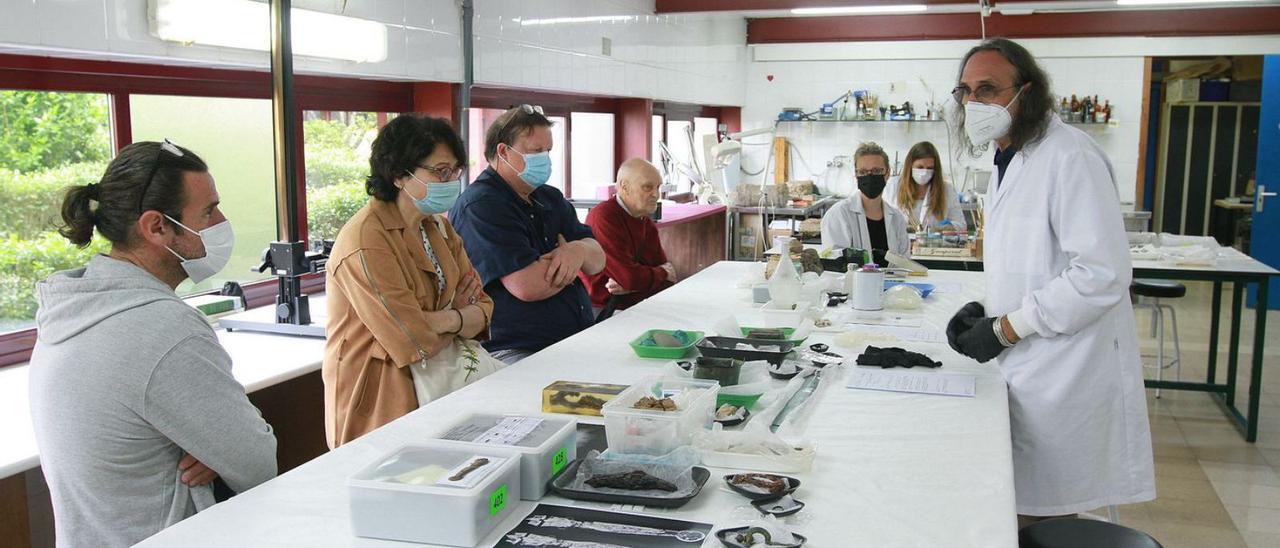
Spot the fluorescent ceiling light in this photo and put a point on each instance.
(860, 10)
(568, 20)
(1158, 2)
(243, 24)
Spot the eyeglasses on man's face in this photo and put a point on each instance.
(985, 93)
(873, 171)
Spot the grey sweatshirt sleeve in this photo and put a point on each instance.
(193, 399)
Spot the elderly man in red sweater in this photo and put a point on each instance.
(635, 265)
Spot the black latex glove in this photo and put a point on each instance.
(980, 342)
(964, 320)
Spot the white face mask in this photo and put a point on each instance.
(218, 242)
(985, 123)
(921, 176)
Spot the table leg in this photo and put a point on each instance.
(1233, 353)
(1214, 323)
(1255, 374)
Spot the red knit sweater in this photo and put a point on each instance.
(633, 255)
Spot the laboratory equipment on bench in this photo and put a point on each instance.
(289, 261)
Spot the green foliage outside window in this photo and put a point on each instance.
(49, 141)
(337, 159)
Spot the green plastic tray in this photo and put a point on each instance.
(746, 400)
(664, 352)
(787, 332)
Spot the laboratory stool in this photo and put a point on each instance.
(1150, 292)
(1082, 533)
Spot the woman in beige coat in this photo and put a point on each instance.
(400, 287)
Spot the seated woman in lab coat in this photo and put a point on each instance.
(865, 220)
(923, 195)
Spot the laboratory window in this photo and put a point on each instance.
(592, 143)
(50, 140)
(680, 137)
(336, 149)
(655, 141)
(234, 137)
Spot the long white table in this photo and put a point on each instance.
(891, 469)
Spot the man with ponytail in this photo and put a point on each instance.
(135, 410)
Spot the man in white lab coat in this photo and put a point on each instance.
(1057, 313)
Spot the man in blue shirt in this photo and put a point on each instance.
(525, 240)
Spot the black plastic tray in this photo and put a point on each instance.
(700, 477)
(714, 347)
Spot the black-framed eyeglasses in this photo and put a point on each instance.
(874, 171)
(445, 174)
(984, 94)
(166, 146)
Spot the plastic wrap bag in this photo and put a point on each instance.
(593, 465)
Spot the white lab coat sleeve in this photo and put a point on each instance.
(835, 228)
(1084, 217)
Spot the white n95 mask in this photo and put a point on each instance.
(218, 242)
(984, 123)
(921, 176)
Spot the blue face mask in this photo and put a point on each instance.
(537, 168)
(440, 196)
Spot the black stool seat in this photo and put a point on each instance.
(1162, 289)
(1082, 533)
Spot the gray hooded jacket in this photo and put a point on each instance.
(125, 378)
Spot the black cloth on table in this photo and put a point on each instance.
(895, 357)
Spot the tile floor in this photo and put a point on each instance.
(1214, 489)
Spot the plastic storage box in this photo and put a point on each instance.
(546, 443)
(643, 431)
(408, 494)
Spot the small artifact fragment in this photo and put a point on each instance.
(765, 483)
(726, 411)
(469, 469)
(655, 404)
(754, 536)
(766, 333)
(635, 480)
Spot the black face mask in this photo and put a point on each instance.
(871, 185)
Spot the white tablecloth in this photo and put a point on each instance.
(891, 469)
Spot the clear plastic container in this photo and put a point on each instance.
(649, 432)
(411, 494)
(546, 443)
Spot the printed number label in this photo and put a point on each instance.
(498, 500)
(558, 461)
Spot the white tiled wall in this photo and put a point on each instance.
(806, 75)
(697, 59)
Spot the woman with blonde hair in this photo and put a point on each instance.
(922, 193)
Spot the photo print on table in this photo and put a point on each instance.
(570, 527)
